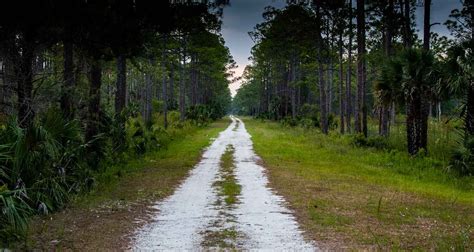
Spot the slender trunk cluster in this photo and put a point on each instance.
(342, 97)
(360, 114)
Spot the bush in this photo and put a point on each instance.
(199, 114)
(39, 167)
(141, 139)
(462, 161)
(289, 122)
(377, 142)
(309, 111)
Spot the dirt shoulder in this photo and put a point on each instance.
(104, 219)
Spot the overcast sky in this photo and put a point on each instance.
(242, 16)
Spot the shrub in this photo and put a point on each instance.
(462, 161)
(377, 142)
(199, 114)
(39, 167)
(289, 121)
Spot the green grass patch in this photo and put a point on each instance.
(221, 239)
(366, 197)
(228, 184)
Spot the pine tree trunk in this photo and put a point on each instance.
(171, 102)
(193, 80)
(330, 80)
(349, 74)
(360, 108)
(182, 84)
(25, 86)
(322, 100)
(95, 79)
(341, 84)
(407, 24)
(426, 25)
(121, 91)
(147, 94)
(165, 91)
(8, 85)
(385, 108)
(67, 106)
(293, 88)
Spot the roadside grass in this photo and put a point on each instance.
(104, 219)
(364, 198)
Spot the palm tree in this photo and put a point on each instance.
(460, 70)
(418, 72)
(410, 78)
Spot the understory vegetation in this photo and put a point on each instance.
(122, 197)
(48, 163)
(375, 197)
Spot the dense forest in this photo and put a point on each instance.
(87, 84)
(360, 67)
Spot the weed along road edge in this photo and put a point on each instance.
(200, 208)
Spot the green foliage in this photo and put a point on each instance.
(377, 142)
(141, 138)
(40, 166)
(199, 114)
(463, 158)
(15, 213)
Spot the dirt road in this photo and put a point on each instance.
(195, 218)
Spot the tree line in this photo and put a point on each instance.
(88, 83)
(345, 62)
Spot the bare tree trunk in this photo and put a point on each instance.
(25, 86)
(349, 73)
(67, 106)
(121, 91)
(385, 108)
(322, 99)
(424, 98)
(341, 84)
(330, 80)
(148, 93)
(407, 29)
(171, 88)
(293, 89)
(8, 81)
(165, 93)
(193, 80)
(182, 83)
(95, 79)
(361, 107)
